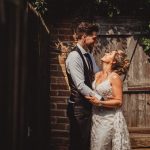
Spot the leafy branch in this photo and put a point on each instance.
(146, 44)
(146, 41)
(66, 47)
(112, 8)
(40, 6)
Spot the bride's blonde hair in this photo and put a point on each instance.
(121, 64)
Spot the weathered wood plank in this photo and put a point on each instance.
(136, 109)
(141, 148)
(141, 121)
(140, 89)
(147, 117)
(125, 106)
(140, 140)
(139, 130)
(132, 110)
(139, 72)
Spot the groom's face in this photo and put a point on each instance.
(90, 39)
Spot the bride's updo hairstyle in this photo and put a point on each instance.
(121, 64)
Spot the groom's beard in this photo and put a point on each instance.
(90, 47)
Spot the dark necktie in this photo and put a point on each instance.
(89, 61)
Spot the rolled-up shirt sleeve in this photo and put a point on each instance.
(75, 68)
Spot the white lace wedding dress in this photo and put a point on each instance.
(109, 129)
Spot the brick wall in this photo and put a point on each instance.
(59, 90)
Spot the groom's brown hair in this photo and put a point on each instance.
(86, 28)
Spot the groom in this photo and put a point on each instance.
(80, 68)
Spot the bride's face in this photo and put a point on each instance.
(109, 57)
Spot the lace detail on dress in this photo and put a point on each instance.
(104, 89)
(121, 135)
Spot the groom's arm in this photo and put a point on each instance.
(75, 68)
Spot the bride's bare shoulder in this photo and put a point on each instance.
(115, 77)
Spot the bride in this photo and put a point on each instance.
(109, 130)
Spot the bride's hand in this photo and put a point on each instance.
(93, 100)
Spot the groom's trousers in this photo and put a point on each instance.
(80, 127)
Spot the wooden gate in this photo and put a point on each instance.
(125, 34)
(137, 96)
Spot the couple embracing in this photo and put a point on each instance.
(94, 108)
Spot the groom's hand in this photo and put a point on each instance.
(93, 100)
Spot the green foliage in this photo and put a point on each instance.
(124, 7)
(87, 9)
(40, 6)
(146, 41)
(111, 7)
(146, 44)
